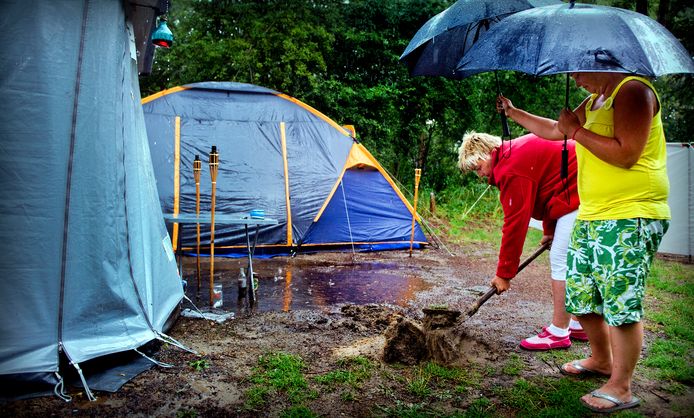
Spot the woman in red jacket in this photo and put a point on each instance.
(527, 173)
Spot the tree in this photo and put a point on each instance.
(342, 57)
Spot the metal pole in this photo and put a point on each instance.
(214, 165)
(417, 176)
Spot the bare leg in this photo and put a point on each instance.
(599, 339)
(625, 341)
(560, 318)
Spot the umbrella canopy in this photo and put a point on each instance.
(442, 41)
(578, 38)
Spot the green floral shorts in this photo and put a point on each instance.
(608, 262)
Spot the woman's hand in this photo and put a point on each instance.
(546, 238)
(501, 284)
(504, 105)
(568, 122)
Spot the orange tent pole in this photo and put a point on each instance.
(417, 176)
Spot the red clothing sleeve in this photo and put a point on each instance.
(548, 226)
(516, 196)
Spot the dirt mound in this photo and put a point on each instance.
(441, 337)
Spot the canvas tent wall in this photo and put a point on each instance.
(279, 155)
(679, 239)
(87, 267)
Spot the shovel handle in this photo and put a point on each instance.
(492, 290)
(475, 306)
(534, 255)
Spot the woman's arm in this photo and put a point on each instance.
(540, 126)
(634, 107)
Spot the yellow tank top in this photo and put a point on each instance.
(610, 192)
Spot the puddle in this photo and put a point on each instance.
(285, 286)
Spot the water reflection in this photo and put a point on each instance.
(284, 285)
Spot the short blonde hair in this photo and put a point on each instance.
(476, 146)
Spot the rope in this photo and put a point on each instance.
(476, 202)
(349, 224)
(436, 238)
(158, 363)
(59, 389)
(89, 393)
(195, 307)
(170, 340)
(423, 221)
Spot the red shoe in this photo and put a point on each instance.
(545, 341)
(578, 334)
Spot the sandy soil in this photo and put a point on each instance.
(322, 322)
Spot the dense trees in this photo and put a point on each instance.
(341, 57)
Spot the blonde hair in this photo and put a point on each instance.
(475, 146)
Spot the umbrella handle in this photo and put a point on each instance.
(504, 125)
(504, 120)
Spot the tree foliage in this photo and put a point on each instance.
(342, 57)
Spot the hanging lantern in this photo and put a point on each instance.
(162, 36)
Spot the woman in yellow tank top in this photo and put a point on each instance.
(623, 188)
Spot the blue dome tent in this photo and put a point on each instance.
(279, 155)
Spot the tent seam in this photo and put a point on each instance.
(68, 185)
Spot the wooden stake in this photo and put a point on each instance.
(417, 176)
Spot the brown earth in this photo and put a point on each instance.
(304, 318)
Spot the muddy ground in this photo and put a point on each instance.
(336, 305)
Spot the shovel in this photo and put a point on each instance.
(472, 309)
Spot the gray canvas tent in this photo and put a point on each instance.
(87, 267)
(679, 239)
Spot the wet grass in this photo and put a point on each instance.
(669, 314)
(514, 365)
(351, 371)
(278, 373)
(545, 397)
(199, 365)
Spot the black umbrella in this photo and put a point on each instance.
(577, 38)
(441, 42)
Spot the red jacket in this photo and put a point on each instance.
(527, 173)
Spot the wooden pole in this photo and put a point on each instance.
(197, 168)
(214, 165)
(417, 176)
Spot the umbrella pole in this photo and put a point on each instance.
(197, 168)
(564, 150)
(214, 164)
(504, 120)
(417, 176)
